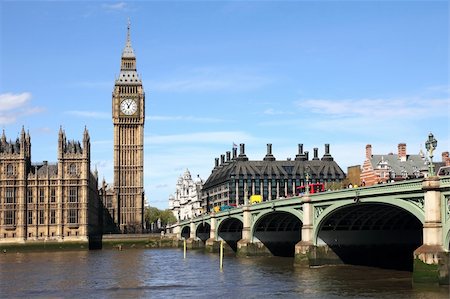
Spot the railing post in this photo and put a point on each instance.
(430, 259)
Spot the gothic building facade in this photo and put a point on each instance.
(235, 178)
(47, 201)
(186, 203)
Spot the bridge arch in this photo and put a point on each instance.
(230, 230)
(202, 231)
(185, 232)
(378, 233)
(279, 230)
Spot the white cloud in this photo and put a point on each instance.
(200, 137)
(213, 79)
(377, 108)
(115, 6)
(10, 101)
(89, 114)
(184, 118)
(271, 111)
(13, 106)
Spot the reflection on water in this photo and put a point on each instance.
(163, 273)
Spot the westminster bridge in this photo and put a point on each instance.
(403, 225)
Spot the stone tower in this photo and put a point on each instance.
(128, 115)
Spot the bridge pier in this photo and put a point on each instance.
(212, 245)
(245, 247)
(306, 253)
(192, 242)
(431, 262)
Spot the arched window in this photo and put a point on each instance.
(9, 169)
(72, 169)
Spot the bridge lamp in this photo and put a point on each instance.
(431, 145)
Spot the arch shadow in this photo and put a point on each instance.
(372, 234)
(186, 232)
(203, 231)
(230, 230)
(279, 231)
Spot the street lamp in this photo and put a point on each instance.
(307, 180)
(431, 145)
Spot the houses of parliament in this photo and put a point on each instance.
(63, 201)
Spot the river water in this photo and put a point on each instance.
(163, 273)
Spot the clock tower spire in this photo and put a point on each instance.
(128, 116)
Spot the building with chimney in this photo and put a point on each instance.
(392, 167)
(235, 178)
(186, 203)
(47, 201)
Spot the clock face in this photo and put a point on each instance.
(128, 107)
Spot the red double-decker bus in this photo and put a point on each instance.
(313, 188)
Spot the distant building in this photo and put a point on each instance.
(47, 201)
(235, 178)
(396, 167)
(186, 203)
(353, 175)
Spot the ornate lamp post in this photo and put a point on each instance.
(430, 145)
(307, 180)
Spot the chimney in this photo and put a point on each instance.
(234, 153)
(216, 163)
(307, 155)
(300, 156)
(446, 158)
(269, 156)
(222, 159)
(228, 156)
(402, 152)
(327, 156)
(316, 154)
(242, 156)
(368, 151)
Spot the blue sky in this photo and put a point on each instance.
(348, 73)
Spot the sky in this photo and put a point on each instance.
(347, 73)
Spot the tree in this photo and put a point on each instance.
(152, 215)
(168, 217)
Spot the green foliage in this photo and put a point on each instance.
(152, 215)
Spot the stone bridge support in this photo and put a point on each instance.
(245, 246)
(193, 242)
(212, 244)
(431, 262)
(306, 253)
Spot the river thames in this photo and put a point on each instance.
(163, 273)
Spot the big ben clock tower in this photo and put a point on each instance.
(128, 115)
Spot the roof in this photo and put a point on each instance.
(326, 169)
(412, 163)
(42, 169)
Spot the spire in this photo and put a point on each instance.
(86, 133)
(128, 50)
(3, 136)
(128, 31)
